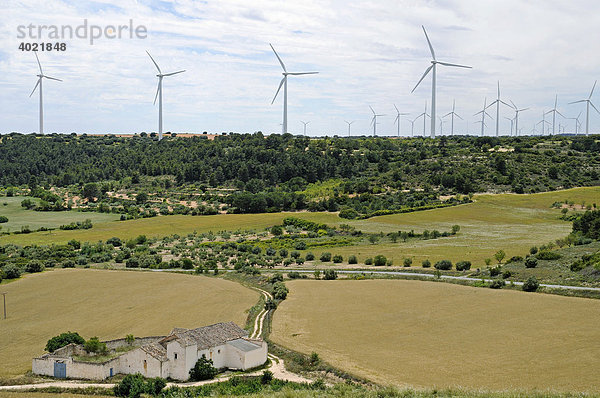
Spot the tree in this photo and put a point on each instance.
(34, 266)
(129, 339)
(455, 229)
(280, 291)
(11, 272)
(203, 370)
(276, 230)
(373, 239)
(3, 219)
(90, 191)
(133, 386)
(426, 263)
(337, 259)
(531, 284)
(330, 274)
(352, 259)
(62, 340)
(317, 274)
(463, 265)
(379, 260)
(407, 262)
(499, 256)
(531, 262)
(325, 257)
(443, 265)
(141, 198)
(94, 345)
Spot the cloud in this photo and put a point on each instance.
(367, 53)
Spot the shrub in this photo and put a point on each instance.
(34, 266)
(266, 377)
(531, 262)
(352, 259)
(317, 274)
(379, 260)
(548, 255)
(463, 265)
(506, 274)
(499, 256)
(533, 250)
(68, 264)
(309, 256)
(407, 262)
(203, 370)
(369, 261)
(495, 271)
(337, 259)
(276, 230)
(348, 213)
(11, 272)
(95, 345)
(294, 275)
(300, 245)
(443, 265)
(514, 259)
(295, 254)
(531, 284)
(280, 291)
(455, 229)
(389, 262)
(62, 340)
(426, 263)
(329, 274)
(497, 284)
(114, 241)
(133, 386)
(75, 244)
(283, 253)
(3, 219)
(325, 257)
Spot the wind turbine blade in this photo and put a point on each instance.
(591, 93)
(52, 78)
(524, 109)
(36, 85)
(372, 109)
(506, 104)
(593, 106)
(396, 119)
(447, 114)
(429, 42)
(277, 55)
(302, 73)
(422, 77)
(560, 114)
(456, 65)
(279, 88)
(397, 111)
(491, 103)
(488, 115)
(577, 102)
(458, 116)
(174, 73)
(155, 64)
(478, 113)
(156, 96)
(513, 104)
(38, 61)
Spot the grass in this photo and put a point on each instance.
(32, 394)
(18, 216)
(436, 335)
(509, 222)
(110, 305)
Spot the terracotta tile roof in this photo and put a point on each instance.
(156, 350)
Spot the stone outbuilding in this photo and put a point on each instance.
(171, 356)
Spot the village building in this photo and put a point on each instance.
(171, 356)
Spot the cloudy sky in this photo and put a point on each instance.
(367, 53)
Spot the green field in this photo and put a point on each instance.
(110, 304)
(18, 216)
(509, 222)
(427, 334)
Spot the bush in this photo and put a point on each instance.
(283, 253)
(133, 386)
(310, 256)
(379, 260)
(203, 370)
(497, 284)
(369, 261)
(11, 272)
(531, 262)
(531, 284)
(280, 291)
(114, 241)
(514, 259)
(34, 266)
(463, 265)
(443, 265)
(266, 377)
(325, 257)
(75, 244)
(300, 245)
(425, 263)
(533, 250)
(548, 255)
(329, 274)
(352, 259)
(294, 275)
(407, 262)
(68, 264)
(3, 219)
(295, 254)
(495, 271)
(337, 259)
(62, 340)
(95, 345)
(348, 213)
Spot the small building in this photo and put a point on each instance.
(171, 356)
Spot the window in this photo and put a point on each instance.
(218, 351)
(175, 355)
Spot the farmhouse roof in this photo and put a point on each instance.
(207, 336)
(156, 350)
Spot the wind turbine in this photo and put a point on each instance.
(441, 125)
(554, 111)
(41, 76)
(517, 110)
(453, 114)
(512, 124)
(349, 124)
(304, 123)
(412, 127)
(425, 115)
(433, 67)
(543, 122)
(159, 93)
(398, 119)
(483, 113)
(588, 102)
(283, 83)
(374, 121)
(577, 124)
(497, 103)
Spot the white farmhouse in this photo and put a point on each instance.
(172, 356)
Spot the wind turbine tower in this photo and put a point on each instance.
(483, 113)
(432, 68)
(588, 102)
(497, 103)
(554, 111)
(305, 124)
(517, 111)
(41, 77)
(398, 119)
(452, 114)
(374, 121)
(349, 124)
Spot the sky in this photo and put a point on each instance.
(367, 53)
